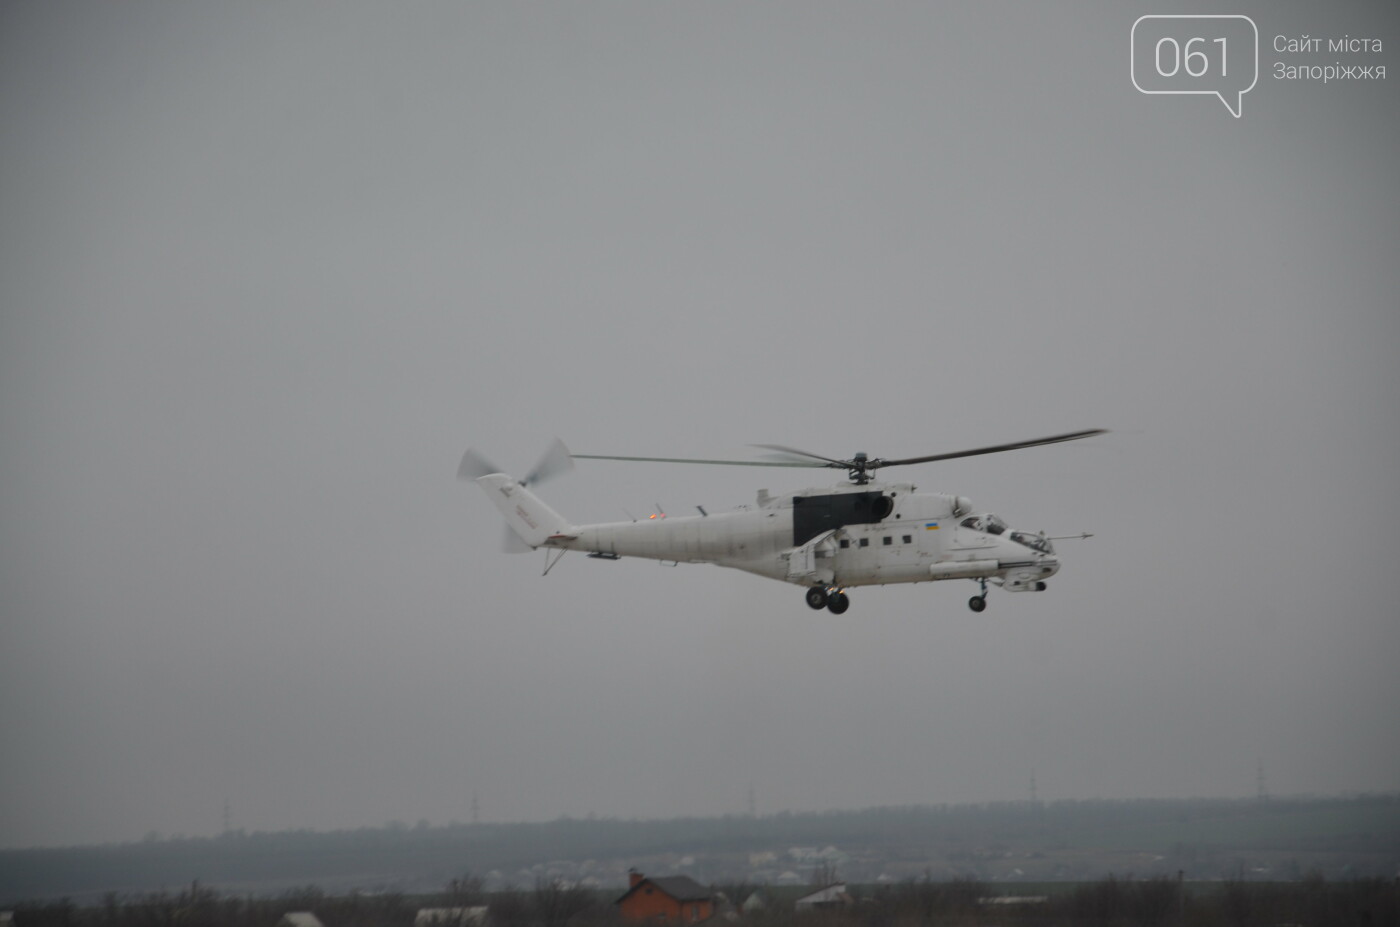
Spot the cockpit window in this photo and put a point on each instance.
(988, 523)
(1033, 541)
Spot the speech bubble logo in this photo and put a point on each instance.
(1217, 55)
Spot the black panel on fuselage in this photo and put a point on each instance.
(811, 515)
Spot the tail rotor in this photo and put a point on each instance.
(555, 461)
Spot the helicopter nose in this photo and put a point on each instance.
(1030, 576)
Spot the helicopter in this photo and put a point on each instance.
(829, 539)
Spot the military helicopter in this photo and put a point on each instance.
(827, 539)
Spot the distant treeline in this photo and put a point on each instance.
(1110, 902)
(1338, 837)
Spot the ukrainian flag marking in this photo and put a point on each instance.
(931, 526)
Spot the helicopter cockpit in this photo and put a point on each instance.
(989, 523)
(1033, 541)
(993, 524)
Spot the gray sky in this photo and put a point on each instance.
(266, 270)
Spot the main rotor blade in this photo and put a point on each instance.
(690, 460)
(996, 449)
(800, 453)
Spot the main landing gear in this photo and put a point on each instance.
(834, 601)
(979, 602)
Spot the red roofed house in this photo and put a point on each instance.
(670, 900)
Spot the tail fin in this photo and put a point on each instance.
(526, 515)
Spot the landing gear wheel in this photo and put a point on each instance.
(816, 597)
(977, 603)
(837, 603)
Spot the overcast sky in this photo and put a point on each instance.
(267, 270)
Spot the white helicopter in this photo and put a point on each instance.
(828, 539)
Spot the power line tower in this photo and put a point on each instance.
(1261, 789)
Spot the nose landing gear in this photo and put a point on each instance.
(834, 600)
